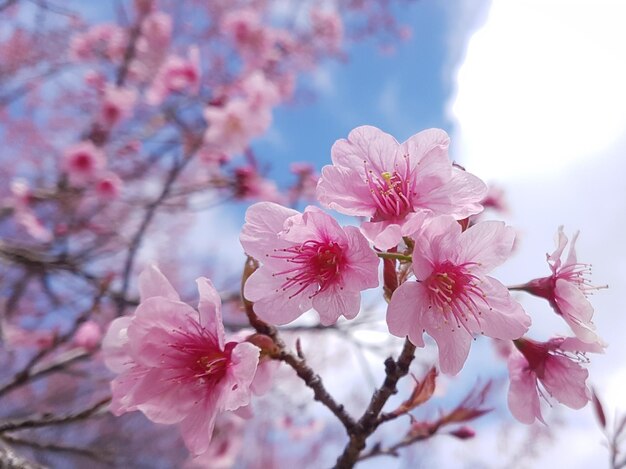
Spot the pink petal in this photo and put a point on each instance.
(501, 317)
(263, 221)
(523, 398)
(561, 242)
(336, 190)
(576, 310)
(264, 376)
(365, 143)
(425, 143)
(334, 302)
(197, 428)
(453, 343)
(245, 358)
(115, 345)
(210, 309)
(488, 243)
(273, 304)
(362, 269)
(383, 234)
(466, 193)
(405, 313)
(153, 283)
(151, 329)
(565, 380)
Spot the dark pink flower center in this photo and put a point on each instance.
(314, 263)
(197, 357)
(392, 192)
(82, 161)
(455, 290)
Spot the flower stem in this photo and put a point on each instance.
(395, 255)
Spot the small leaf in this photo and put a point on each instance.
(421, 393)
(598, 409)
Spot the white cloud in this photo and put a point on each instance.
(542, 85)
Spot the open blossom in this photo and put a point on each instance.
(82, 163)
(174, 363)
(453, 298)
(556, 366)
(176, 74)
(308, 261)
(117, 105)
(567, 289)
(88, 335)
(233, 125)
(375, 176)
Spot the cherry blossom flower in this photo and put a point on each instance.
(88, 335)
(176, 74)
(374, 176)
(556, 366)
(82, 163)
(327, 28)
(174, 363)
(308, 261)
(117, 104)
(252, 39)
(232, 126)
(453, 298)
(108, 186)
(225, 446)
(250, 185)
(567, 288)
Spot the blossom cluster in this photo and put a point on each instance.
(419, 215)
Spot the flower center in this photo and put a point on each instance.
(392, 192)
(314, 263)
(82, 161)
(578, 274)
(454, 290)
(197, 357)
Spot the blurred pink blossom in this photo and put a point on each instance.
(82, 163)
(176, 74)
(88, 335)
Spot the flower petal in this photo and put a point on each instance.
(152, 282)
(523, 399)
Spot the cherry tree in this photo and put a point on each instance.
(119, 135)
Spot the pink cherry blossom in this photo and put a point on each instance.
(108, 186)
(174, 363)
(308, 261)
(452, 298)
(225, 446)
(327, 28)
(556, 366)
(117, 105)
(82, 163)
(88, 335)
(233, 125)
(567, 289)
(176, 74)
(250, 185)
(374, 176)
(252, 39)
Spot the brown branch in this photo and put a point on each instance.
(46, 420)
(367, 424)
(298, 363)
(136, 240)
(11, 460)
